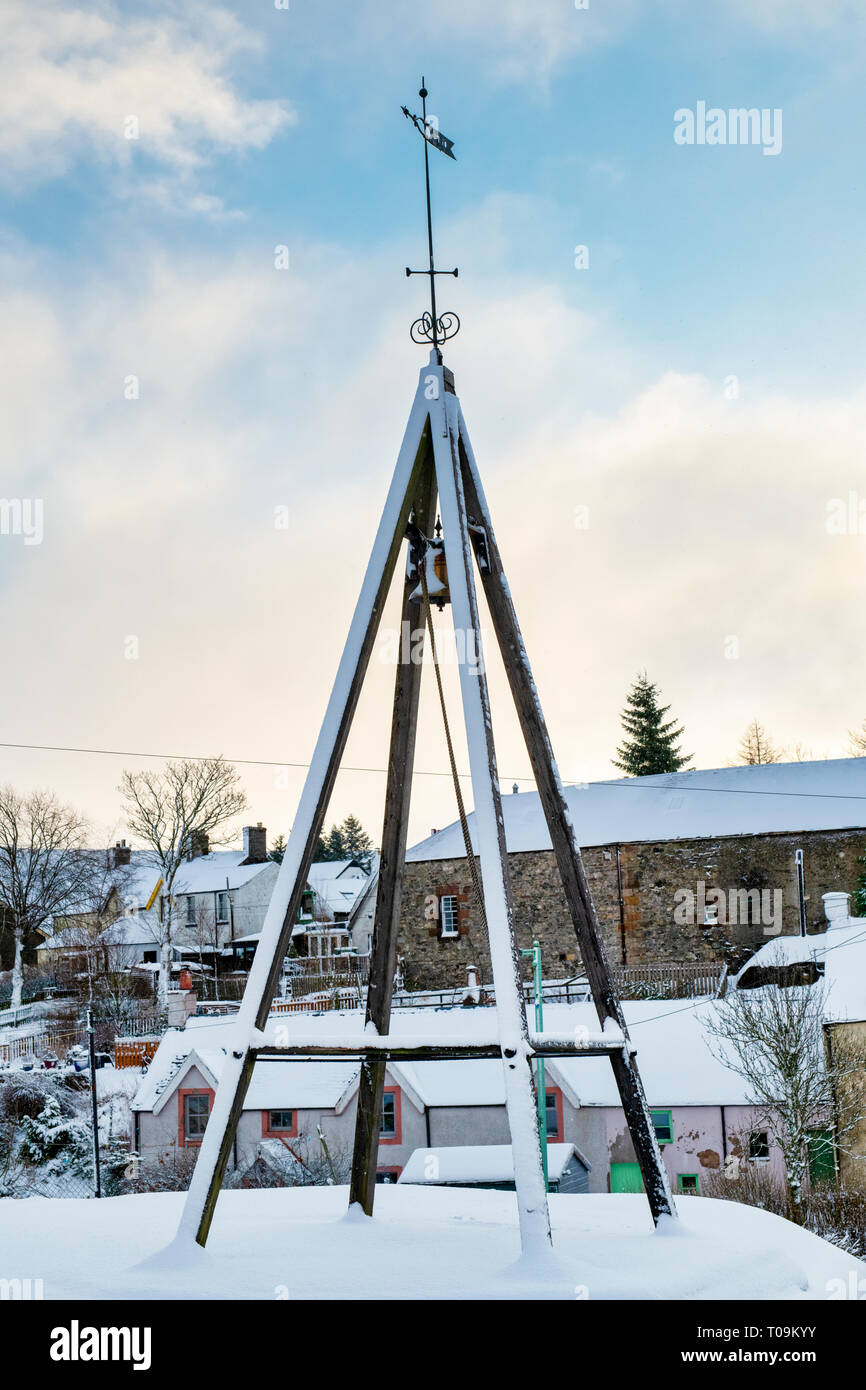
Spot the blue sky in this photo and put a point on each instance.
(261, 127)
(714, 257)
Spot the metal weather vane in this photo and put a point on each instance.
(430, 327)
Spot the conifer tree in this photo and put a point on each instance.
(336, 844)
(653, 744)
(355, 838)
(347, 841)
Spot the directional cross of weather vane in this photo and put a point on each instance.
(429, 328)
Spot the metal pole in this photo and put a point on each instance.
(423, 95)
(93, 1108)
(540, 1087)
(801, 890)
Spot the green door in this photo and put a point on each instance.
(625, 1177)
(822, 1160)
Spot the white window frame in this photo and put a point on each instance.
(188, 1116)
(223, 894)
(190, 910)
(452, 915)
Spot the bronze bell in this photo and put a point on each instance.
(441, 596)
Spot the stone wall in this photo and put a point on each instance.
(655, 921)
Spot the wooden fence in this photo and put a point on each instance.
(670, 980)
(134, 1052)
(340, 998)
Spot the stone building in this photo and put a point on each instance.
(687, 867)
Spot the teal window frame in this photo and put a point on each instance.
(668, 1124)
(687, 1190)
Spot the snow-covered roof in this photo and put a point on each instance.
(476, 1081)
(338, 883)
(123, 931)
(128, 931)
(206, 1042)
(845, 973)
(470, 1163)
(841, 950)
(211, 873)
(773, 797)
(207, 873)
(676, 1064)
(322, 870)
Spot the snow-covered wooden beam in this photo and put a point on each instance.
(434, 1049)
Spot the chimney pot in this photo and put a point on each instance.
(836, 909)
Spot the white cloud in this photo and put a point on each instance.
(707, 519)
(793, 18)
(78, 81)
(532, 39)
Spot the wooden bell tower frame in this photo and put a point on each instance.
(436, 461)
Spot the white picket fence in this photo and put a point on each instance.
(10, 1018)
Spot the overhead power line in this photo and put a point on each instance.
(627, 784)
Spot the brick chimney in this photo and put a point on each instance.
(119, 855)
(255, 844)
(198, 844)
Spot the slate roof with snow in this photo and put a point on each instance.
(774, 797)
(207, 873)
(338, 883)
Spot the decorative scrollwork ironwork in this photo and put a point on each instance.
(446, 327)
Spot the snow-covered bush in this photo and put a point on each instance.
(53, 1135)
(113, 1165)
(169, 1173)
(11, 1167)
(23, 1093)
(836, 1213)
(303, 1162)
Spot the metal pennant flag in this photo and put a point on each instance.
(427, 127)
(441, 142)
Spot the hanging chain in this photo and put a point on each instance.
(464, 824)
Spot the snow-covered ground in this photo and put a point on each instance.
(422, 1243)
